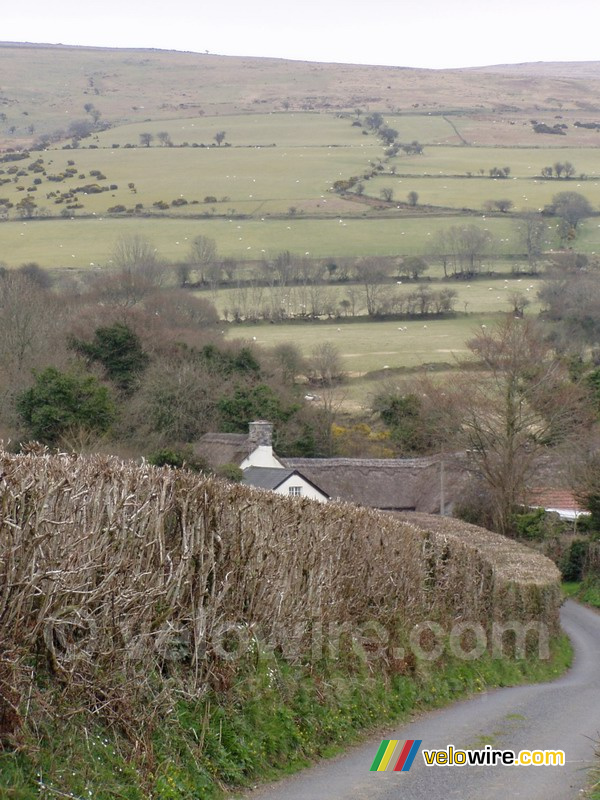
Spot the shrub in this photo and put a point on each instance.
(178, 458)
(230, 472)
(537, 524)
(573, 561)
(60, 403)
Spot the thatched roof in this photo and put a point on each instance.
(223, 448)
(394, 484)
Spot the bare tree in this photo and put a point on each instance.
(220, 137)
(510, 413)
(139, 271)
(572, 207)
(412, 267)
(325, 364)
(462, 248)
(31, 321)
(164, 137)
(518, 302)
(353, 296)
(203, 251)
(372, 273)
(29, 318)
(289, 361)
(146, 139)
(176, 402)
(531, 234)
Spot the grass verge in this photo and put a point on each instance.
(587, 591)
(274, 719)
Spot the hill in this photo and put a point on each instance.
(44, 87)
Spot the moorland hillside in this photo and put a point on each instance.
(45, 87)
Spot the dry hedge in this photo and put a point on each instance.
(129, 578)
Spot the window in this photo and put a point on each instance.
(295, 491)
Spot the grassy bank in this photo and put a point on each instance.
(587, 591)
(274, 719)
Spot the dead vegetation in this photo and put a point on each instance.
(133, 585)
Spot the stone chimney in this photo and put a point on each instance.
(261, 433)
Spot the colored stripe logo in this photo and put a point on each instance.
(395, 755)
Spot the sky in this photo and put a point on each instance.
(437, 34)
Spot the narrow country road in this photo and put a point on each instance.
(562, 715)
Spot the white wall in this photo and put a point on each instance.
(262, 456)
(307, 489)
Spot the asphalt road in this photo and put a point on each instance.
(562, 715)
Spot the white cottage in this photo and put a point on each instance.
(253, 453)
(288, 482)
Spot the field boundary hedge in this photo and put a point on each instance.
(129, 582)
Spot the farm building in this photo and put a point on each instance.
(289, 482)
(560, 501)
(253, 453)
(389, 484)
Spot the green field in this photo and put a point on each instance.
(472, 193)
(267, 189)
(81, 242)
(247, 130)
(524, 162)
(291, 181)
(369, 346)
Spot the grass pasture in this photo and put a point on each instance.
(245, 130)
(90, 241)
(472, 193)
(367, 346)
(291, 181)
(524, 162)
(247, 181)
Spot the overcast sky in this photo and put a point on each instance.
(410, 33)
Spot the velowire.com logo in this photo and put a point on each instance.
(395, 755)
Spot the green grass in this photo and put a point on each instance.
(367, 346)
(590, 592)
(428, 129)
(273, 720)
(245, 130)
(587, 591)
(92, 240)
(473, 193)
(254, 180)
(595, 783)
(524, 163)
(571, 588)
(291, 181)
